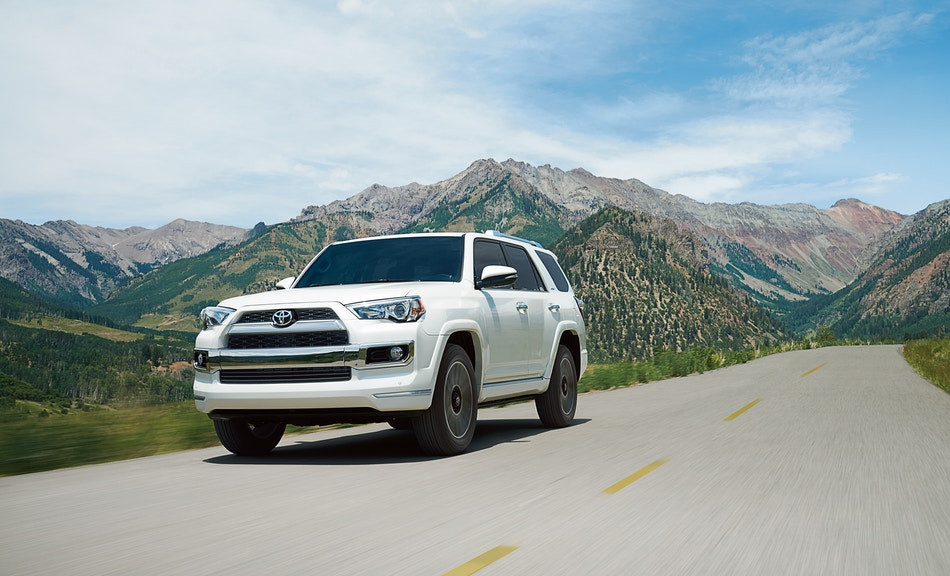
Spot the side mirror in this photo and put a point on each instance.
(285, 283)
(497, 277)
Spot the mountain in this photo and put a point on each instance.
(905, 289)
(781, 254)
(170, 297)
(79, 265)
(647, 284)
(506, 203)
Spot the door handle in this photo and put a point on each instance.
(522, 307)
(554, 307)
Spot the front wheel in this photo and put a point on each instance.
(246, 438)
(448, 426)
(557, 405)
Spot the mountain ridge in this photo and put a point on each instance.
(782, 253)
(905, 288)
(76, 264)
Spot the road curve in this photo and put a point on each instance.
(832, 461)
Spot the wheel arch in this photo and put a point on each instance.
(572, 342)
(471, 343)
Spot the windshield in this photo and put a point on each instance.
(409, 259)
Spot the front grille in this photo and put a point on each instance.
(288, 340)
(286, 375)
(267, 316)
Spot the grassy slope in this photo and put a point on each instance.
(931, 359)
(71, 326)
(30, 442)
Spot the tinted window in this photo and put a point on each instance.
(560, 280)
(426, 259)
(519, 260)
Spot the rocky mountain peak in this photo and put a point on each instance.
(78, 264)
(784, 252)
(864, 218)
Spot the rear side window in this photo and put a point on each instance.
(560, 280)
(519, 260)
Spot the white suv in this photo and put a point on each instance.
(417, 330)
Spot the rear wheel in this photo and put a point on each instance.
(246, 438)
(557, 405)
(448, 426)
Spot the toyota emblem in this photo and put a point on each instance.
(283, 318)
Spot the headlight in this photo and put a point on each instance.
(408, 309)
(213, 316)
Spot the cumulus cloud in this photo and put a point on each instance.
(190, 104)
(120, 113)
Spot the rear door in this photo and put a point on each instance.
(514, 315)
(532, 304)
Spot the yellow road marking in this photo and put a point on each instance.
(739, 412)
(813, 370)
(635, 476)
(479, 562)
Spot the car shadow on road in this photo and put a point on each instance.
(386, 446)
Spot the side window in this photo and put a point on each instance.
(560, 280)
(527, 276)
(487, 254)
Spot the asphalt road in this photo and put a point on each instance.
(833, 461)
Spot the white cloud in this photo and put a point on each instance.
(171, 99)
(814, 67)
(121, 113)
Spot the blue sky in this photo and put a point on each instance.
(136, 113)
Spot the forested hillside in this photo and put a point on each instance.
(904, 293)
(89, 369)
(647, 286)
(50, 354)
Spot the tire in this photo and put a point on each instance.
(448, 426)
(557, 405)
(245, 438)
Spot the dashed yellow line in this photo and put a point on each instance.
(613, 489)
(813, 370)
(740, 411)
(481, 561)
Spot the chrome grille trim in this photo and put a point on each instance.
(284, 358)
(303, 314)
(300, 326)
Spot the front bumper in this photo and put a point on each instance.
(336, 378)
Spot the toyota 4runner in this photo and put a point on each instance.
(417, 330)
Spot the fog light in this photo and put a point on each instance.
(389, 354)
(200, 361)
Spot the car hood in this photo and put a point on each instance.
(348, 294)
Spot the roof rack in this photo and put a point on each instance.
(510, 237)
